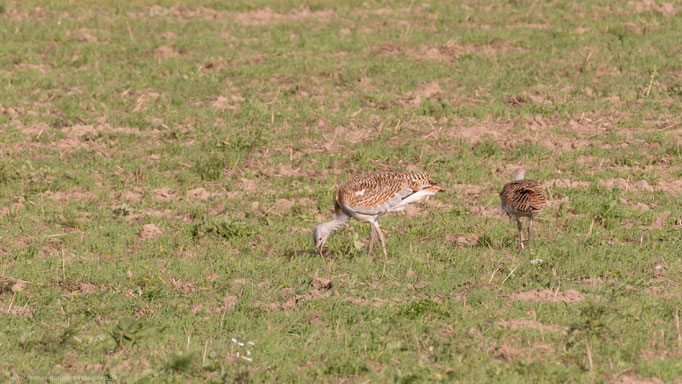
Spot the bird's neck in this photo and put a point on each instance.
(519, 175)
(337, 221)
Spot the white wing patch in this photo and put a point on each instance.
(360, 193)
(413, 198)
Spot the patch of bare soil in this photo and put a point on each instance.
(474, 131)
(282, 206)
(142, 97)
(149, 231)
(449, 51)
(229, 302)
(248, 185)
(321, 283)
(463, 238)
(598, 281)
(22, 310)
(198, 194)
(65, 196)
(84, 289)
(427, 91)
(313, 294)
(31, 67)
(375, 302)
(510, 354)
(641, 6)
(14, 208)
(635, 204)
(569, 296)
(182, 285)
(669, 186)
(252, 18)
(471, 189)
(592, 123)
(527, 97)
(133, 196)
(231, 102)
(635, 380)
(166, 52)
(83, 35)
(412, 210)
(266, 16)
(33, 14)
(163, 194)
(506, 353)
(660, 220)
(524, 323)
(353, 134)
(566, 183)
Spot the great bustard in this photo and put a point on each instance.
(523, 198)
(371, 195)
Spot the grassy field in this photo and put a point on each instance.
(163, 167)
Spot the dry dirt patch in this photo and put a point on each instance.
(510, 354)
(163, 194)
(569, 296)
(635, 380)
(225, 103)
(641, 6)
(65, 196)
(670, 186)
(132, 196)
(198, 194)
(449, 51)
(266, 16)
(523, 323)
(252, 18)
(566, 183)
(660, 220)
(463, 238)
(149, 231)
(321, 283)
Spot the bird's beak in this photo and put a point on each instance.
(318, 248)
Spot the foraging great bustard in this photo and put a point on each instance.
(371, 195)
(523, 198)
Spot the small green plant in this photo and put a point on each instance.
(128, 331)
(487, 148)
(180, 362)
(122, 210)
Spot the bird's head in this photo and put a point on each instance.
(320, 236)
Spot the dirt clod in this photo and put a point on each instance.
(150, 230)
(321, 283)
(568, 296)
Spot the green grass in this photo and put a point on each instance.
(111, 117)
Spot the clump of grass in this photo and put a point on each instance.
(225, 227)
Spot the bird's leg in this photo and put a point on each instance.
(372, 237)
(520, 227)
(381, 238)
(530, 228)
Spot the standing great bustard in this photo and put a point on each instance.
(523, 198)
(371, 195)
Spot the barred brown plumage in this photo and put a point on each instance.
(523, 198)
(371, 195)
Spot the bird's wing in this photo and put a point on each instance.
(525, 195)
(381, 192)
(376, 201)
